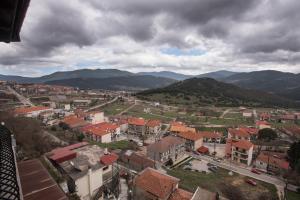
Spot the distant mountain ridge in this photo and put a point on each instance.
(207, 91)
(134, 83)
(167, 74)
(218, 75)
(281, 83)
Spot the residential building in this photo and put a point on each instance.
(153, 127)
(86, 168)
(151, 184)
(238, 134)
(136, 126)
(74, 121)
(264, 117)
(123, 123)
(247, 114)
(177, 127)
(102, 132)
(167, 148)
(193, 140)
(135, 161)
(211, 136)
(262, 125)
(242, 151)
(272, 161)
(95, 117)
(33, 111)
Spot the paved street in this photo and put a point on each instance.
(242, 170)
(21, 98)
(101, 105)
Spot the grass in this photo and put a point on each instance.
(214, 182)
(292, 195)
(115, 108)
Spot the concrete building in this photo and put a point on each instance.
(242, 151)
(167, 148)
(86, 168)
(272, 161)
(193, 140)
(153, 127)
(33, 111)
(102, 132)
(211, 136)
(95, 117)
(136, 126)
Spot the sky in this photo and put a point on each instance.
(184, 36)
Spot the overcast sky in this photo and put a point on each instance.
(185, 36)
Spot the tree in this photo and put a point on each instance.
(80, 137)
(63, 125)
(294, 156)
(267, 134)
(231, 192)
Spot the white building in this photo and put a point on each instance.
(242, 152)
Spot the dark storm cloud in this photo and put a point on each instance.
(63, 24)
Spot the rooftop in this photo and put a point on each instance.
(153, 123)
(156, 183)
(181, 194)
(189, 135)
(136, 121)
(37, 183)
(210, 134)
(165, 143)
(243, 144)
(25, 110)
(274, 159)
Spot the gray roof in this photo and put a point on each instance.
(165, 144)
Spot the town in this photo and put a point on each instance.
(101, 144)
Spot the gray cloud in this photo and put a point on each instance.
(234, 33)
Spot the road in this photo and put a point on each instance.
(130, 107)
(243, 171)
(21, 98)
(101, 105)
(225, 112)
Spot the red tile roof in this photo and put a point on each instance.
(259, 123)
(153, 123)
(109, 159)
(242, 144)
(165, 144)
(210, 134)
(251, 131)
(238, 132)
(189, 135)
(273, 160)
(181, 194)
(136, 121)
(156, 183)
(100, 128)
(74, 121)
(25, 110)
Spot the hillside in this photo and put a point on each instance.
(201, 91)
(280, 83)
(133, 83)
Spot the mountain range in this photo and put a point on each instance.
(207, 91)
(274, 82)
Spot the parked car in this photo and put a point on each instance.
(255, 171)
(213, 169)
(251, 182)
(196, 152)
(217, 159)
(210, 164)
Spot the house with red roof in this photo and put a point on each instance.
(211, 136)
(151, 184)
(242, 151)
(262, 125)
(264, 116)
(136, 126)
(177, 127)
(193, 140)
(33, 111)
(272, 161)
(103, 132)
(74, 121)
(153, 126)
(238, 134)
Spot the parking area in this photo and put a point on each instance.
(218, 148)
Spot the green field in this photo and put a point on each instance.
(115, 108)
(216, 182)
(292, 195)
